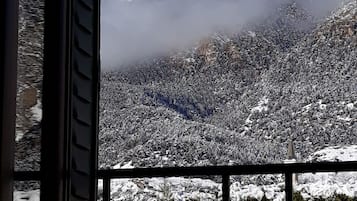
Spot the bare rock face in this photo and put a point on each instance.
(29, 97)
(208, 51)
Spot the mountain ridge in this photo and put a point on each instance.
(211, 87)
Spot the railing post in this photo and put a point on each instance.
(288, 186)
(106, 189)
(225, 187)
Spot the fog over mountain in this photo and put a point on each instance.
(135, 30)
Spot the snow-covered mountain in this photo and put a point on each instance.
(237, 99)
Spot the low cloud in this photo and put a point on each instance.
(139, 29)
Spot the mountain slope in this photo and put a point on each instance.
(239, 95)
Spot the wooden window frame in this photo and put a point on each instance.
(8, 77)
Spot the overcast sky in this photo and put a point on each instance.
(132, 30)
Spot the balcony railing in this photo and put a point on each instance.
(224, 171)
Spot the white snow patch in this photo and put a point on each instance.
(248, 121)
(262, 106)
(127, 165)
(268, 137)
(350, 106)
(307, 107)
(344, 118)
(321, 105)
(335, 153)
(289, 161)
(27, 196)
(190, 60)
(37, 111)
(252, 34)
(19, 135)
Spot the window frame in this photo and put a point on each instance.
(70, 100)
(8, 78)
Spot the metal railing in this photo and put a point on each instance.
(224, 171)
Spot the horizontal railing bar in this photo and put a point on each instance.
(210, 170)
(229, 170)
(27, 175)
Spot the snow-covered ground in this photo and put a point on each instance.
(327, 184)
(154, 189)
(335, 153)
(178, 188)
